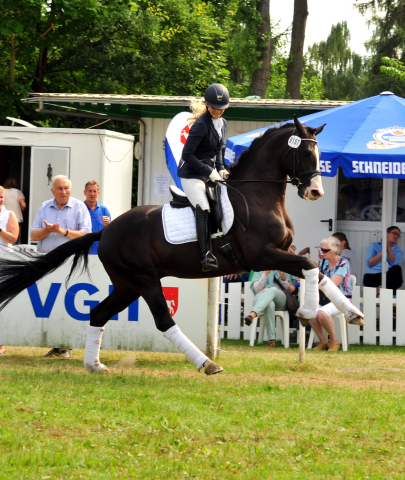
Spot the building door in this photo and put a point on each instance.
(313, 220)
(46, 162)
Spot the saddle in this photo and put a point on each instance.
(179, 200)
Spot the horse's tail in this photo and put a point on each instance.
(20, 272)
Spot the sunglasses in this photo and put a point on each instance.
(325, 250)
(397, 234)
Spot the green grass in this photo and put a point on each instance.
(266, 416)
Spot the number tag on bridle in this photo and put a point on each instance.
(294, 141)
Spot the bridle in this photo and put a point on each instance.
(293, 142)
(296, 160)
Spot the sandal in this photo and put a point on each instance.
(249, 320)
(271, 344)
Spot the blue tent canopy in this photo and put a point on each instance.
(366, 138)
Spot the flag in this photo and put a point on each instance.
(176, 137)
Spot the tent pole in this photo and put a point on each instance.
(384, 234)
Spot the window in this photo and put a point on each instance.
(360, 199)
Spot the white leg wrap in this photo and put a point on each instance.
(311, 301)
(177, 337)
(340, 301)
(92, 352)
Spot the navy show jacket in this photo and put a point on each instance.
(202, 150)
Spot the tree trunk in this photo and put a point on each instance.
(260, 76)
(12, 61)
(294, 70)
(38, 83)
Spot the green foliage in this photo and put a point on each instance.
(341, 69)
(393, 68)
(311, 85)
(108, 46)
(388, 40)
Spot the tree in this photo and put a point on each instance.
(294, 70)
(341, 69)
(388, 40)
(261, 74)
(107, 46)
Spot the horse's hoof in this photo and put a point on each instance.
(100, 368)
(304, 322)
(210, 368)
(306, 313)
(355, 321)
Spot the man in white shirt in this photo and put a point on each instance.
(59, 220)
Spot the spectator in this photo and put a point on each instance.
(337, 269)
(9, 231)
(372, 276)
(99, 214)
(346, 252)
(65, 218)
(14, 199)
(269, 298)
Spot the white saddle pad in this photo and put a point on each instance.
(179, 223)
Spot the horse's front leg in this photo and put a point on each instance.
(314, 280)
(276, 259)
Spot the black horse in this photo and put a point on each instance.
(136, 255)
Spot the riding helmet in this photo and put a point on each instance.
(217, 96)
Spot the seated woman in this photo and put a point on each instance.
(347, 252)
(337, 269)
(269, 298)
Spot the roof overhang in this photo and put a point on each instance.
(133, 107)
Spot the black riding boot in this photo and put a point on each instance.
(208, 261)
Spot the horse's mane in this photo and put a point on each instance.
(243, 161)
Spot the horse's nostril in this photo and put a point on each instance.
(315, 193)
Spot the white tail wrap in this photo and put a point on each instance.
(177, 337)
(92, 352)
(311, 300)
(339, 300)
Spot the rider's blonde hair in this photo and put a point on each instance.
(198, 108)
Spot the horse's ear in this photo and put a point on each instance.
(299, 126)
(319, 129)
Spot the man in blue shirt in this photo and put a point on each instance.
(372, 275)
(100, 216)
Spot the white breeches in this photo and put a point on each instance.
(195, 191)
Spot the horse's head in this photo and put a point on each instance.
(305, 162)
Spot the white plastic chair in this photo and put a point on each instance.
(344, 331)
(285, 325)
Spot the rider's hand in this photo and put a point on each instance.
(224, 174)
(215, 176)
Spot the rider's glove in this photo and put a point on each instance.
(215, 176)
(224, 174)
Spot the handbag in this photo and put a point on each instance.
(292, 302)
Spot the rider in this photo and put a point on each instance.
(202, 161)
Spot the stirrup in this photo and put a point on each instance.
(209, 262)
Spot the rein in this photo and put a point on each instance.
(295, 181)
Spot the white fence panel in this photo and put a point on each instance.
(380, 328)
(400, 320)
(370, 315)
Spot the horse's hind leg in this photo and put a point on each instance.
(99, 316)
(153, 296)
